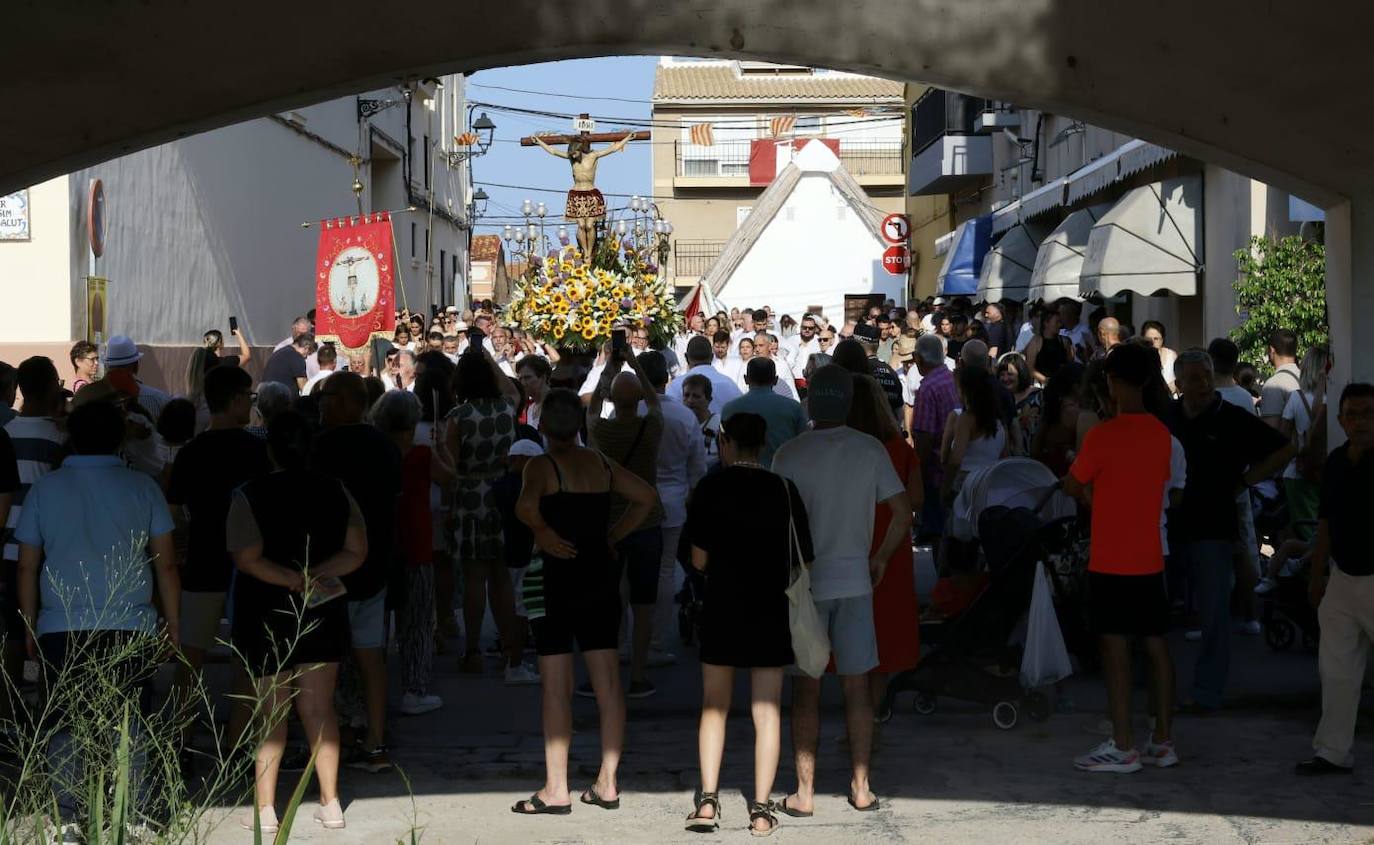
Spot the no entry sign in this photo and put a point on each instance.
(897, 260)
(896, 228)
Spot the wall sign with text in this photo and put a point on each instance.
(14, 216)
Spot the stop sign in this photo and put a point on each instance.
(897, 260)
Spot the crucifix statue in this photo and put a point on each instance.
(586, 206)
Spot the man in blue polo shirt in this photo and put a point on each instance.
(784, 417)
(86, 535)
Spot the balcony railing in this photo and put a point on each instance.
(938, 113)
(693, 258)
(727, 159)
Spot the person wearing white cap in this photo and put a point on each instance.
(121, 353)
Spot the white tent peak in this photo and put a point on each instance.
(815, 157)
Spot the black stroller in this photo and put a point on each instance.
(973, 660)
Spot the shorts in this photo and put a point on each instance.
(853, 639)
(1128, 605)
(640, 554)
(591, 623)
(367, 621)
(200, 617)
(11, 622)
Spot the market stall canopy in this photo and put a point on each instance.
(1060, 259)
(1126, 160)
(1150, 242)
(1009, 264)
(964, 261)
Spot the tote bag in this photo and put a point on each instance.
(810, 642)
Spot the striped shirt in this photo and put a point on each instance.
(38, 449)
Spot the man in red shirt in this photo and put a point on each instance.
(1121, 473)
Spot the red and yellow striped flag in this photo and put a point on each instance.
(702, 135)
(857, 112)
(780, 126)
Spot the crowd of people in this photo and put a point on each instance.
(347, 500)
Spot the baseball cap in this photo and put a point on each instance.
(525, 449)
(829, 393)
(864, 331)
(121, 351)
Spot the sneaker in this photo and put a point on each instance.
(415, 704)
(1192, 636)
(521, 675)
(584, 690)
(659, 659)
(1265, 586)
(330, 815)
(1108, 758)
(374, 761)
(1251, 628)
(1160, 754)
(267, 820)
(640, 689)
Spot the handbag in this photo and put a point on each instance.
(810, 641)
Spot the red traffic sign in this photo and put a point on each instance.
(897, 260)
(896, 228)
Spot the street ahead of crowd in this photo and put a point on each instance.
(969, 511)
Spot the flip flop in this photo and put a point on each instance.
(590, 797)
(873, 805)
(790, 811)
(539, 808)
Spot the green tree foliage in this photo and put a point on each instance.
(1282, 285)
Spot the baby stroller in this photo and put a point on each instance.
(1287, 611)
(973, 660)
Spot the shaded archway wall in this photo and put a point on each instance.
(1275, 90)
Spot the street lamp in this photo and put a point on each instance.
(477, 206)
(476, 141)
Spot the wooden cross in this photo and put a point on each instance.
(591, 137)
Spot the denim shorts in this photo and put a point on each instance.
(367, 621)
(853, 639)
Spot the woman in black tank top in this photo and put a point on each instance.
(1048, 351)
(566, 500)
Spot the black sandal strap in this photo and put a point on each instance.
(762, 810)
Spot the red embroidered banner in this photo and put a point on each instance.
(354, 287)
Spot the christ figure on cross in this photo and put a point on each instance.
(586, 206)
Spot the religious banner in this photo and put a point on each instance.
(97, 306)
(354, 281)
(14, 216)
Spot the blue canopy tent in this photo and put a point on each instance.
(964, 261)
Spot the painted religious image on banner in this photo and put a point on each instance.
(14, 216)
(353, 280)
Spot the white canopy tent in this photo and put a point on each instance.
(1149, 242)
(1059, 262)
(1011, 261)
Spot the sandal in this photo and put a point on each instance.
(789, 811)
(762, 810)
(591, 797)
(699, 824)
(536, 807)
(867, 808)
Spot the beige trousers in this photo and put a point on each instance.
(1347, 622)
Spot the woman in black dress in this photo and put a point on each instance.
(287, 532)
(740, 526)
(566, 502)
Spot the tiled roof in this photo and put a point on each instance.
(486, 247)
(722, 82)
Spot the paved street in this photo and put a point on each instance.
(950, 777)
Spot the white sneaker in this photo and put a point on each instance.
(1193, 635)
(414, 704)
(267, 820)
(1108, 758)
(1265, 586)
(521, 675)
(1162, 755)
(330, 816)
(1251, 628)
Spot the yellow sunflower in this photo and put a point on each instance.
(558, 332)
(589, 333)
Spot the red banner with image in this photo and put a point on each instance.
(354, 280)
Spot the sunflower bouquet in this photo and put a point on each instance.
(569, 301)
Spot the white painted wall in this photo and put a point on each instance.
(33, 273)
(816, 250)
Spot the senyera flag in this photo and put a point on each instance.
(354, 287)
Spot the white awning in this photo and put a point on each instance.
(1009, 264)
(1045, 198)
(1060, 259)
(1127, 159)
(944, 242)
(1150, 242)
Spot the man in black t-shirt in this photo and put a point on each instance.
(205, 475)
(287, 365)
(867, 336)
(1345, 604)
(1227, 450)
(369, 465)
